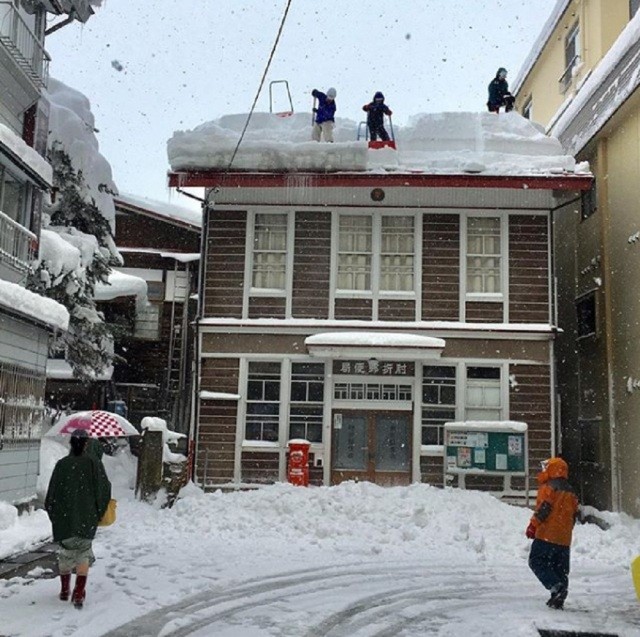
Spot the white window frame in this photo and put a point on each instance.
(527, 109)
(503, 388)
(251, 235)
(573, 36)
(282, 400)
(375, 293)
(498, 297)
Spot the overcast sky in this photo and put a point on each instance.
(149, 72)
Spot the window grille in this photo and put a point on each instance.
(263, 401)
(373, 391)
(307, 401)
(270, 252)
(355, 252)
(438, 402)
(484, 255)
(397, 254)
(21, 402)
(483, 399)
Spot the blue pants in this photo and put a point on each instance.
(550, 564)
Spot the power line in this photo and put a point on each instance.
(264, 75)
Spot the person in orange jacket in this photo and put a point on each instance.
(551, 529)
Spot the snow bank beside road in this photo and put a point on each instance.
(441, 143)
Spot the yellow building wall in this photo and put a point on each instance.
(601, 21)
(623, 209)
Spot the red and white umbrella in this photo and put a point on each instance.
(98, 424)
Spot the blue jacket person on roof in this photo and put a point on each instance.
(376, 110)
(499, 93)
(325, 114)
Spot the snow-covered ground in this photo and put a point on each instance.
(351, 560)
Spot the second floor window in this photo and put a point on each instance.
(376, 252)
(484, 255)
(571, 55)
(527, 109)
(269, 252)
(14, 197)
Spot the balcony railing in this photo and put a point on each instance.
(17, 244)
(567, 76)
(26, 48)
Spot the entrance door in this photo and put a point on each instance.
(372, 445)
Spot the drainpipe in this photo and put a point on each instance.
(605, 218)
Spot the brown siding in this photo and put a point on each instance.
(484, 312)
(225, 265)
(138, 231)
(260, 467)
(312, 265)
(353, 309)
(530, 402)
(217, 423)
(528, 269)
(440, 267)
(396, 310)
(267, 307)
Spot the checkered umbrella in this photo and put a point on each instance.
(98, 424)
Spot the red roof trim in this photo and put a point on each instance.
(213, 179)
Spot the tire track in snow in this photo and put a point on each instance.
(352, 600)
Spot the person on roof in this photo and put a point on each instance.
(376, 110)
(499, 93)
(551, 529)
(325, 115)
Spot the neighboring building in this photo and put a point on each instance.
(590, 50)
(365, 308)
(160, 243)
(27, 321)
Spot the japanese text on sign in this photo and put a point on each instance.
(374, 367)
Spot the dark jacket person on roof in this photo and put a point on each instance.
(376, 110)
(499, 93)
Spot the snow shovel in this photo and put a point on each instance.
(635, 575)
(389, 143)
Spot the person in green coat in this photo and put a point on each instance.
(77, 498)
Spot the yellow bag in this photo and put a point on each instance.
(635, 574)
(109, 516)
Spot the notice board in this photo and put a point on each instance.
(497, 448)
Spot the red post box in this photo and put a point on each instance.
(298, 470)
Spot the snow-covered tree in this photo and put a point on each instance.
(77, 246)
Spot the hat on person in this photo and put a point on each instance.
(501, 71)
(331, 92)
(378, 96)
(80, 433)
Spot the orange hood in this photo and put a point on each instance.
(556, 468)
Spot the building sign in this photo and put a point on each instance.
(373, 367)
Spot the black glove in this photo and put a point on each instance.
(315, 110)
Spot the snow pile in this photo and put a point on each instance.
(168, 437)
(21, 532)
(122, 284)
(72, 124)
(26, 154)
(170, 211)
(443, 143)
(15, 297)
(271, 143)
(58, 255)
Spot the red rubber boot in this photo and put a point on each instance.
(65, 586)
(79, 592)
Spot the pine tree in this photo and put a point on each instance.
(88, 342)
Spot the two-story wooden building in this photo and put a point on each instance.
(363, 308)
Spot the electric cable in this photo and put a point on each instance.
(264, 75)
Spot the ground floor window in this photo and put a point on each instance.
(438, 402)
(21, 402)
(265, 382)
(483, 398)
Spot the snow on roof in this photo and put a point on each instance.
(58, 369)
(488, 425)
(43, 310)
(27, 155)
(218, 395)
(170, 211)
(182, 257)
(539, 44)
(72, 123)
(374, 339)
(444, 143)
(612, 99)
(121, 284)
